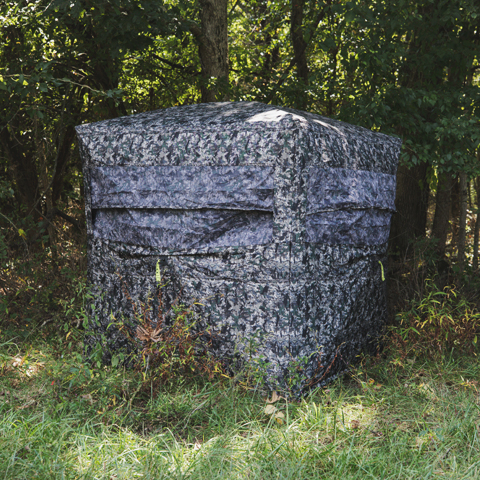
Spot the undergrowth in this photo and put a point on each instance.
(436, 310)
(411, 412)
(439, 321)
(166, 346)
(42, 276)
(64, 418)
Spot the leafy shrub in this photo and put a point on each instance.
(438, 320)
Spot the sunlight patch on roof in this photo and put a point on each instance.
(275, 116)
(328, 125)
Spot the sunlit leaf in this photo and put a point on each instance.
(275, 398)
(270, 409)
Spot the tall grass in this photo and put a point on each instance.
(412, 413)
(62, 419)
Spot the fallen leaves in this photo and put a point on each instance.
(24, 367)
(272, 410)
(275, 398)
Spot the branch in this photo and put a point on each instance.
(15, 227)
(196, 31)
(233, 7)
(282, 79)
(47, 219)
(68, 218)
(173, 64)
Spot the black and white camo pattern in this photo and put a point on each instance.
(275, 219)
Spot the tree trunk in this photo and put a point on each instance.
(462, 223)
(411, 202)
(442, 211)
(477, 226)
(63, 155)
(455, 210)
(470, 195)
(23, 169)
(299, 47)
(212, 41)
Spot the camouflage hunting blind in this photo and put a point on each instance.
(276, 220)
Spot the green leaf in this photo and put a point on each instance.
(158, 273)
(383, 272)
(350, 16)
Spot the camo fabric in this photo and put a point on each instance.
(275, 220)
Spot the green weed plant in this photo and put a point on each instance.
(439, 321)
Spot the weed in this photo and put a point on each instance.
(40, 281)
(419, 420)
(168, 345)
(438, 321)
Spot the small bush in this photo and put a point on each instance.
(437, 321)
(169, 345)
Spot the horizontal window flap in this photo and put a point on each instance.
(339, 189)
(183, 187)
(177, 229)
(350, 227)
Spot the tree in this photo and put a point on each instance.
(60, 64)
(404, 68)
(299, 46)
(409, 75)
(212, 41)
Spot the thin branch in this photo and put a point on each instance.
(282, 79)
(233, 7)
(173, 64)
(196, 31)
(68, 218)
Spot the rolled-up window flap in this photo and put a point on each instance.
(183, 207)
(351, 207)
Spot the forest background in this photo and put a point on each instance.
(406, 68)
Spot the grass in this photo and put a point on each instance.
(389, 418)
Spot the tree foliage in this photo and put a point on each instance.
(408, 68)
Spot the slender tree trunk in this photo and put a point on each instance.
(411, 202)
(455, 210)
(265, 39)
(477, 226)
(212, 41)
(470, 196)
(299, 46)
(24, 170)
(442, 211)
(63, 156)
(462, 223)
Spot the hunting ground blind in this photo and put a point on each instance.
(276, 220)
